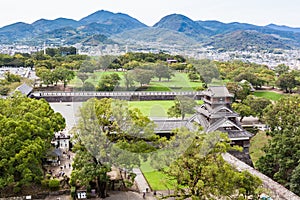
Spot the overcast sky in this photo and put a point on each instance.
(259, 12)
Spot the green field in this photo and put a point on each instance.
(268, 94)
(179, 82)
(154, 108)
(156, 179)
(256, 145)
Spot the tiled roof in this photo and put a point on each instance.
(217, 91)
(24, 89)
(167, 125)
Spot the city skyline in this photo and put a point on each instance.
(149, 12)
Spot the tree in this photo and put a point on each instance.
(206, 69)
(63, 74)
(193, 76)
(108, 82)
(45, 75)
(281, 69)
(287, 82)
(82, 76)
(281, 159)
(202, 173)
(162, 71)
(182, 105)
(129, 79)
(284, 114)
(240, 90)
(11, 78)
(250, 77)
(257, 105)
(142, 76)
(242, 109)
(27, 128)
(87, 86)
(109, 133)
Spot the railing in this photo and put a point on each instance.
(113, 94)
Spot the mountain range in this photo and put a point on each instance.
(104, 27)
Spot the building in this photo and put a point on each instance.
(214, 115)
(25, 89)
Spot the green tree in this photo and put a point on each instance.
(242, 109)
(82, 76)
(162, 71)
(287, 82)
(11, 78)
(182, 105)
(193, 76)
(202, 173)
(45, 75)
(281, 159)
(240, 90)
(88, 86)
(281, 69)
(129, 79)
(63, 74)
(108, 82)
(257, 105)
(109, 133)
(143, 76)
(206, 69)
(27, 127)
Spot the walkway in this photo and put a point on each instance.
(142, 184)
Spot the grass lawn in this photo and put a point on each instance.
(156, 179)
(154, 108)
(256, 145)
(268, 94)
(179, 82)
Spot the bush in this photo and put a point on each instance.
(4, 90)
(87, 86)
(73, 192)
(54, 184)
(45, 183)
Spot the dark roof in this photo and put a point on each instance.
(167, 125)
(55, 152)
(217, 91)
(24, 89)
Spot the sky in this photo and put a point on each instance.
(258, 12)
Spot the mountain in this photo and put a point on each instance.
(44, 25)
(109, 18)
(104, 27)
(183, 25)
(154, 35)
(283, 28)
(101, 22)
(15, 32)
(246, 40)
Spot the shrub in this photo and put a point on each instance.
(73, 192)
(54, 184)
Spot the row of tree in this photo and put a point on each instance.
(49, 77)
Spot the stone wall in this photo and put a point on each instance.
(278, 192)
